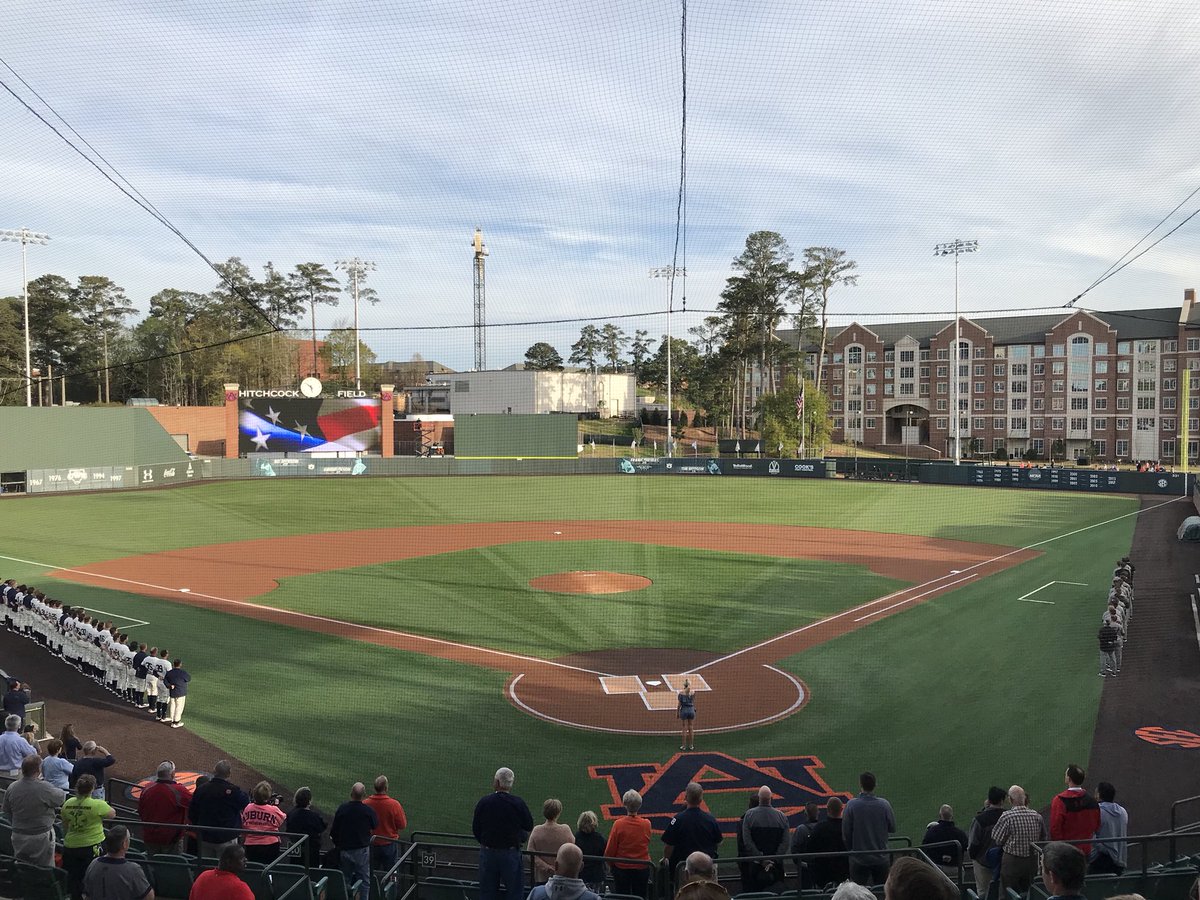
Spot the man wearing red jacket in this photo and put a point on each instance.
(1074, 814)
(165, 801)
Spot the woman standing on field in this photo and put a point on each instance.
(687, 716)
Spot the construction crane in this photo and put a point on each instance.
(481, 251)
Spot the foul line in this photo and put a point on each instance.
(315, 618)
(911, 599)
(933, 581)
(801, 699)
(136, 622)
(1026, 597)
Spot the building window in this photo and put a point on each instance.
(1122, 448)
(1168, 365)
(980, 404)
(907, 355)
(1145, 423)
(1038, 446)
(998, 370)
(1039, 351)
(1102, 348)
(998, 404)
(1020, 424)
(1018, 352)
(1122, 424)
(1122, 403)
(980, 387)
(1146, 385)
(981, 352)
(1123, 367)
(1101, 447)
(1039, 424)
(1147, 347)
(941, 424)
(943, 388)
(1058, 386)
(924, 371)
(925, 389)
(1079, 403)
(837, 405)
(888, 389)
(906, 389)
(854, 406)
(1060, 350)
(1145, 403)
(1193, 425)
(1147, 366)
(1100, 403)
(1168, 423)
(924, 356)
(943, 353)
(943, 405)
(1019, 387)
(1168, 449)
(1057, 423)
(853, 356)
(1100, 424)
(871, 390)
(1168, 402)
(889, 373)
(998, 387)
(1101, 384)
(943, 371)
(1039, 368)
(998, 424)
(1122, 385)
(1058, 367)
(907, 372)
(1170, 346)
(1079, 424)
(979, 370)
(1019, 369)
(1102, 367)
(1079, 345)
(1123, 347)
(1038, 403)
(889, 355)
(1019, 403)
(1057, 404)
(979, 424)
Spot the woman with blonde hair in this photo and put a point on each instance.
(687, 716)
(545, 839)
(262, 816)
(592, 842)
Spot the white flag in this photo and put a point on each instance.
(694, 445)
(780, 450)
(633, 443)
(737, 448)
(758, 447)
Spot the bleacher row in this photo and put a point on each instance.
(442, 866)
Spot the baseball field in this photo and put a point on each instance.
(436, 628)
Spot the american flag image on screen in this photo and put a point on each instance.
(303, 425)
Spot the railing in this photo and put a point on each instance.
(1174, 819)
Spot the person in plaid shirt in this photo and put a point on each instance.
(1015, 832)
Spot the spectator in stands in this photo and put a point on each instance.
(545, 840)
(30, 805)
(1110, 856)
(392, 821)
(765, 831)
(112, 876)
(262, 816)
(177, 685)
(745, 866)
(94, 761)
(303, 819)
(83, 822)
(1074, 813)
(914, 879)
(979, 841)
(951, 838)
(866, 823)
(812, 815)
(591, 842)
(691, 830)
(630, 839)
(1015, 833)
(852, 890)
(501, 823)
(826, 837)
(1064, 868)
(700, 879)
(224, 882)
(14, 747)
(565, 883)
(165, 802)
(353, 824)
(55, 769)
(16, 699)
(217, 807)
(71, 744)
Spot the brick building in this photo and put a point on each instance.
(1107, 385)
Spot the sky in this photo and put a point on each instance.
(1056, 134)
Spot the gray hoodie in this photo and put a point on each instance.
(559, 887)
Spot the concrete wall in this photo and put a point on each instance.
(202, 426)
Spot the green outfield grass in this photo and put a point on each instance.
(941, 701)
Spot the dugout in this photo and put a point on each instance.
(502, 436)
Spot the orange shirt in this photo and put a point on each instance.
(390, 814)
(629, 839)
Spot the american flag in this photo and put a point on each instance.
(800, 402)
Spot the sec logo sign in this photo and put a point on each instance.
(1169, 737)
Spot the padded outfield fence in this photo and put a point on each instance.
(155, 475)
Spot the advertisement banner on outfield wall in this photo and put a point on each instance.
(101, 478)
(769, 468)
(1063, 479)
(298, 466)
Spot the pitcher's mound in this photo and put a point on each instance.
(589, 582)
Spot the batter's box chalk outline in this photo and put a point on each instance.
(622, 684)
(658, 701)
(675, 682)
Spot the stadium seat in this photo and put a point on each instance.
(259, 882)
(41, 883)
(292, 882)
(335, 883)
(6, 847)
(437, 887)
(171, 875)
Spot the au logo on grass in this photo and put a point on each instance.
(793, 780)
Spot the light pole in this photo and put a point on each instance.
(356, 268)
(24, 237)
(956, 248)
(669, 272)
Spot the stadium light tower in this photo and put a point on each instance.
(357, 269)
(25, 237)
(669, 272)
(479, 287)
(956, 248)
